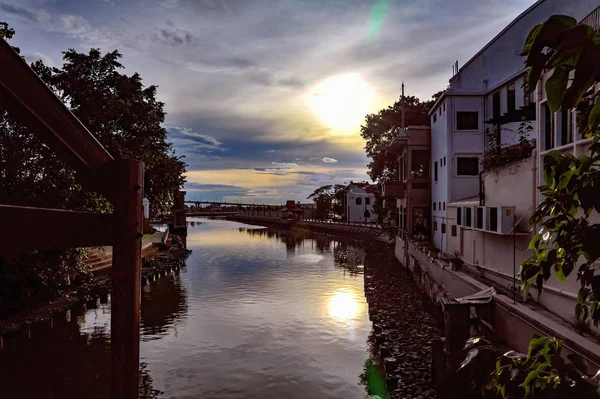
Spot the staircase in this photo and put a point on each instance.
(99, 258)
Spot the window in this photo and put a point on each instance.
(435, 226)
(548, 128)
(444, 205)
(479, 217)
(511, 99)
(358, 201)
(367, 201)
(421, 218)
(468, 217)
(434, 204)
(440, 111)
(493, 222)
(459, 216)
(443, 228)
(440, 205)
(467, 166)
(467, 120)
(496, 105)
(441, 162)
(444, 161)
(453, 230)
(419, 164)
(566, 135)
(435, 170)
(434, 118)
(444, 106)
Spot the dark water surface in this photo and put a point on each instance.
(257, 313)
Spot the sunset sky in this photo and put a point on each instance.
(265, 98)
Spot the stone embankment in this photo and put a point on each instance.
(405, 324)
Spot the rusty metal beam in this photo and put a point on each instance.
(28, 228)
(25, 94)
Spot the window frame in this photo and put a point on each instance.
(511, 100)
(460, 123)
(458, 165)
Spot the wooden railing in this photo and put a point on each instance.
(28, 100)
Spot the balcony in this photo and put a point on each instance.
(593, 20)
(393, 188)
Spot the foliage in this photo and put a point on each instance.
(567, 239)
(323, 197)
(122, 114)
(541, 373)
(381, 128)
(498, 156)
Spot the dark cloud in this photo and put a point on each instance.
(173, 37)
(18, 10)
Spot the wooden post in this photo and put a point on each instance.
(126, 276)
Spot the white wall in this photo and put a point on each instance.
(500, 59)
(440, 140)
(356, 212)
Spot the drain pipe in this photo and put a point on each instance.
(481, 189)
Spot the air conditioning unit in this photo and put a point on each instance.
(500, 219)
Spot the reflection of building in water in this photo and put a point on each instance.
(292, 238)
(349, 257)
(164, 303)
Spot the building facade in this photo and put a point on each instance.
(359, 203)
(412, 190)
(482, 107)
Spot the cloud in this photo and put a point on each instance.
(285, 165)
(173, 37)
(185, 138)
(18, 10)
(35, 56)
(329, 160)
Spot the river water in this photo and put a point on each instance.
(256, 313)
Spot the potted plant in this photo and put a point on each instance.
(456, 260)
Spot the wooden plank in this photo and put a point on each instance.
(29, 228)
(126, 280)
(33, 99)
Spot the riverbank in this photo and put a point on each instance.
(90, 294)
(405, 324)
(405, 320)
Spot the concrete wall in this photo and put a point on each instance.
(356, 212)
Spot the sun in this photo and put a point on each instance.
(342, 101)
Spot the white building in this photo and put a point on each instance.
(359, 203)
(486, 92)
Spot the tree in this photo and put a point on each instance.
(323, 197)
(381, 128)
(567, 239)
(122, 114)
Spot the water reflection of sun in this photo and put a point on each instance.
(343, 306)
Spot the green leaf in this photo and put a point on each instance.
(535, 241)
(537, 344)
(594, 117)
(471, 355)
(585, 72)
(556, 86)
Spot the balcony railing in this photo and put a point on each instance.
(593, 20)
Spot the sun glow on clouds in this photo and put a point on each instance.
(342, 102)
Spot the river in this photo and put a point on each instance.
(256, 313)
